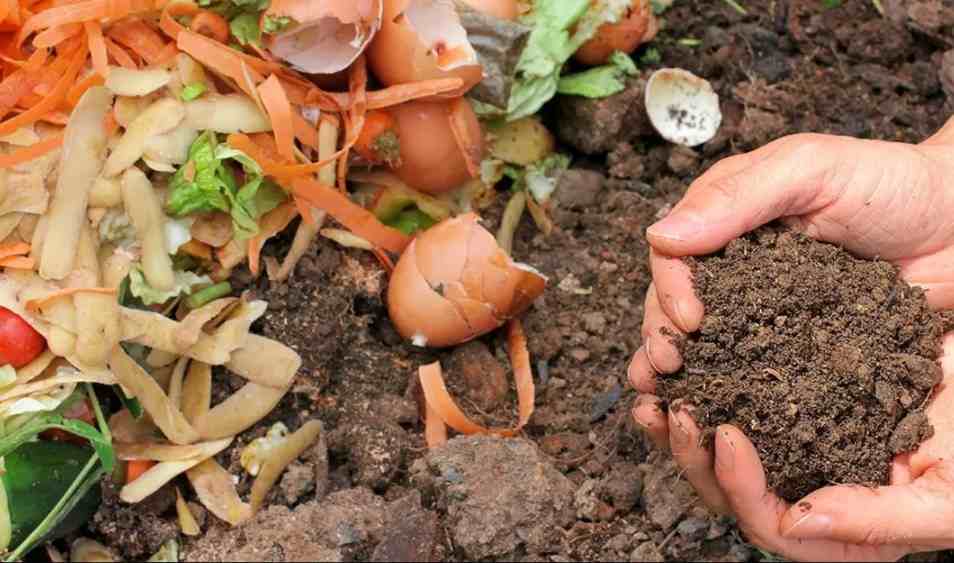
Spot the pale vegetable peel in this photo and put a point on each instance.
(281, 455)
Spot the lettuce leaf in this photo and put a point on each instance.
(602, 81)
(214, 187)
(560, 28)
(140, 288)
(245, 30)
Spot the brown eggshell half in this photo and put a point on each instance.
(638, 27)
(454, 283)
(416, 42)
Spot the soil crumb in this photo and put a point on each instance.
(824, 360)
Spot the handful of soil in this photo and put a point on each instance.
(824, 360)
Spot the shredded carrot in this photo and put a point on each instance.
(119, 54)
(438, 398)
(80, 88)
(14, 249)
(56, 35)
(197, 249)
(34, 305)
(377, 123)
(37, 60)
(272, 223)
(14, 88)
(280, 112)
(18, 263)
(26, 154)
(141, 39)
(355, 218)
(212, 25)
(305, 132)
(48, 103)
(382, 99)
(80, 12)
(110, 125)
(136, 467)
(470, 148)
(384, 259)
(435, 431)
(97, 47)
(217, 57)
(168, 54)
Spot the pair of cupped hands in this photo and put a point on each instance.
(876, 199)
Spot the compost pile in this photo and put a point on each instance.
(824, 360)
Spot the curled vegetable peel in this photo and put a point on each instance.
(454, 283)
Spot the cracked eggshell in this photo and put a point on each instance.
(327, 36)
(682, 107)
(638, 26)
(454, 283)
(423, 40)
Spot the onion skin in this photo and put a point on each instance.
(638, 27)
(502, 9)
(432, 160)
(454, 284)
(398, 56)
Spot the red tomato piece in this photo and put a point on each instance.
(20, 344)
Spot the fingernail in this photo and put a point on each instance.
(676, 227)
(649, 354)
(680, 319)
(725, 455)
(810, 526)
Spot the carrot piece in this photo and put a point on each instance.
(119, 55)
(18, 263)
(197, 249)
(97, 47)
(305, 132)
(26, 154)
(382, 99)
(143, 40)
(280, 113)
(438, 398)
(14, 88)
(14, 249)
(272, 223)
(211, 25)
(80, 88)
(168, 54)
(56, 35)
(110, 125)
(377, 123)
(37, 60)
(49, 102)
(355, 218)
(136, 467)
(472, 152)
(435, 431)
(34, 305)
(218, 58)
(79, 12)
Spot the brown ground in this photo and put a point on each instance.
(581, 469)
(824, 360)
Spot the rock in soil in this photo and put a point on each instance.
(824, 360)
(346, 526)
(498, 495)
(411, 533)
(597, 125)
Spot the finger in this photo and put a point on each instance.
(642, 374)
(759, 511)
(695, 458)
(659, 334)
(675, 291)
(937, 448)
(716, 210)
(648, 414)
(933, 273)
(921, 513)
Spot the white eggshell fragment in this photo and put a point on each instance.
(682, 107)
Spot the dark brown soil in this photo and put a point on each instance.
(824, 360)
(787, 66)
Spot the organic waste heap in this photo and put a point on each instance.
(825, 361)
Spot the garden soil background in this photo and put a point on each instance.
(581, 483)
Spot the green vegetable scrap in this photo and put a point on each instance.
(560, 28)
(208, 294)
(244, 17)
(411, 220)
(278, 24)
(601, 81)
(185, 281)
(245, 30)
(207, 183)
(193, 91)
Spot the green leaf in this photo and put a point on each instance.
(602, 81)
(411, 220)
(275, 24)
(51, 420)
(184, 282)
(245, 30)
(206, 190)
(256, 198)
(651, 57)
(830, 4)
(131, 403)
(193, 91)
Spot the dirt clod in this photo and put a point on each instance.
(805, 349)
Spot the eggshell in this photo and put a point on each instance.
(503, 9)
(423, 40)
(328, 35)
(432, 159)
(682, 107)
(637, 27)
(454, 283)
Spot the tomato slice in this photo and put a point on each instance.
(20, 344)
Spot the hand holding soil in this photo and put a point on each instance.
(875, 199)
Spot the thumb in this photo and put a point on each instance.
(719, 207)
(919, 514)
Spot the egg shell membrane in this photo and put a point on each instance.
(329, 36)
(682, 107)
(417, 309)
(438, 28)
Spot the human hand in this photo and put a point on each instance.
(874, 198)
